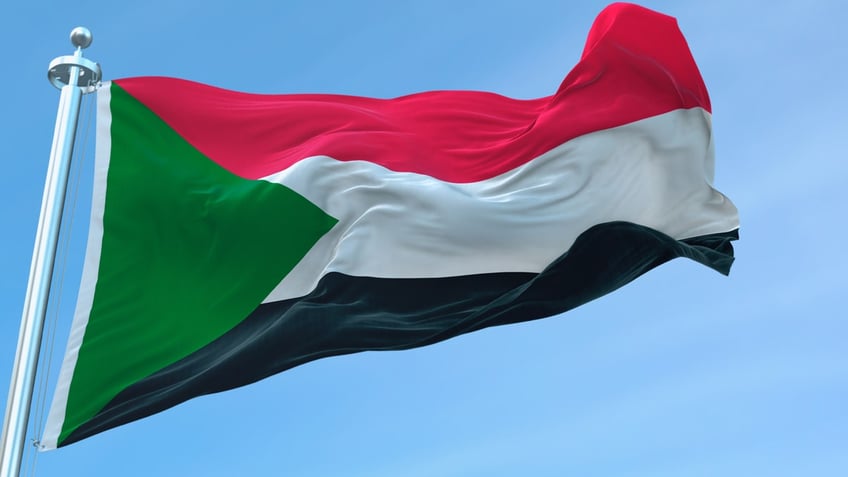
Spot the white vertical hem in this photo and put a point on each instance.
(56, 417)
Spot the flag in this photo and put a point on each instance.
(234, 235)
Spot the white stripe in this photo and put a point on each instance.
(656, 172)
(56, 417)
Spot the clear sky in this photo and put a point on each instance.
(682, 373)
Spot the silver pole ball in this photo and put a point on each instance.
(81, 37)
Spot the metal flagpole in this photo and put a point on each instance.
(74, 76)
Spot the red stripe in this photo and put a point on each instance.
(636, 64)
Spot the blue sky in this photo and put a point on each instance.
(683, 372)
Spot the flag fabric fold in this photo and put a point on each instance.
(234, 235)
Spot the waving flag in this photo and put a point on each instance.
(234, 235)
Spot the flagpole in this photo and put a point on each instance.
(74, 76)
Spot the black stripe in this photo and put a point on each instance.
(347, 314)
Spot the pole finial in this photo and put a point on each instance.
(75, 70)
(81, 37)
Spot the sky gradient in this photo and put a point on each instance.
(683, 372)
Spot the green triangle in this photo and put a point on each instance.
(189, 250)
